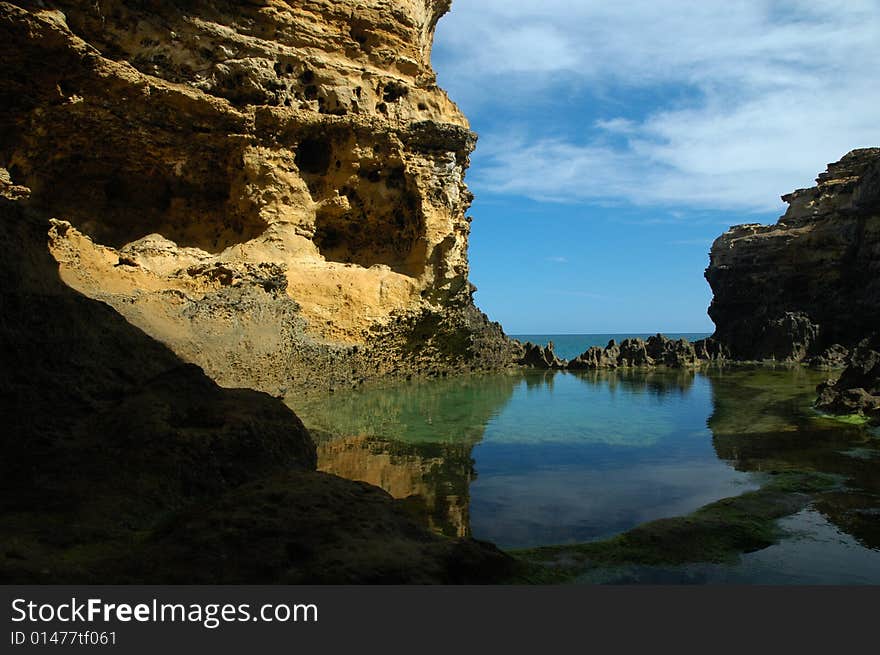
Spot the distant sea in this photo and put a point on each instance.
(569, 346)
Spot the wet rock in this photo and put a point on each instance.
(594, 357)
(711, 350)
(834, 356)
(121, 463)
(679, 353)
(307, 528)
(857, 390)
(634, 352)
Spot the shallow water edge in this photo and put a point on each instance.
(631, 476)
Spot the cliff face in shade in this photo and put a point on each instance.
(791, 290)
(122, 464)
(273, 189)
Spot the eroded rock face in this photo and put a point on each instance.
(790, 291)
(543, 357)
(657, 350)
(273, 189)
(120, 463)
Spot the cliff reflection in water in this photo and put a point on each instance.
(762, 422)
(412, 440)
(532, 458)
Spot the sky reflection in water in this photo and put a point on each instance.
(537, 458)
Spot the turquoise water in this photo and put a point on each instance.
(532, 458)
(569, 346)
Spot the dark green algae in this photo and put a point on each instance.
(718, 532)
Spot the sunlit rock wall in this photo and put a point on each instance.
(273, 189)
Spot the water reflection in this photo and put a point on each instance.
(414, 440)
(534, 458)
(761, 422)
(433, 478)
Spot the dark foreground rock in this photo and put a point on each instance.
(792, 290)
(121, 463)
(857, 391)
(307, 527)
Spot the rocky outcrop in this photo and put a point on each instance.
(835, 356)
(857, 390)
(792, 290)
(123, 464)
(657, 350)
(595, 357)
(273, 189)
(543, 357)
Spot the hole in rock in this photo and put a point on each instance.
(313, 156)
(117, 194)
(383, 226)
(394, 91)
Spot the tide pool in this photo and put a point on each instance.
(533, 458)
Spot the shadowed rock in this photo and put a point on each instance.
(122, 463)
(275, 190)
(857, 391)
(791, 290)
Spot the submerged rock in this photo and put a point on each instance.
(792, 290)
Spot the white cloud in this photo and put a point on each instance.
(771, 91)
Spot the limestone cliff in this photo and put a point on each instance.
(273, 189)
(119, 463)
(792, 290)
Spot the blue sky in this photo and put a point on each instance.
(617, 140)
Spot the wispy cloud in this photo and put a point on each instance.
(557, 259)
(757, 97)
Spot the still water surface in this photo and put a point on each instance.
(538, 458)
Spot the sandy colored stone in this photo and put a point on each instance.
(268, 188)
